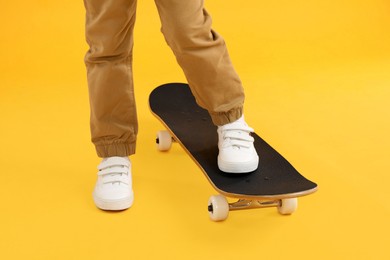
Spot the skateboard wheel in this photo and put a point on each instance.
(218, 208)
(163, 140)
(288, 206)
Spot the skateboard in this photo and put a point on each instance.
(276, 183)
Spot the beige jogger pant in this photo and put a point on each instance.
(199, 50)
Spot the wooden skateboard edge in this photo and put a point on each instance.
(233, 195)
(267, 197)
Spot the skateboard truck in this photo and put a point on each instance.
(219, 207)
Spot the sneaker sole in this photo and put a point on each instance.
(121, 204)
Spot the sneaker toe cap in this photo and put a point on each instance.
(112, 192)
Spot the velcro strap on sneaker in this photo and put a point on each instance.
(114, 161)
(235, 135)
(116, 169)
(239, 143)
(238, 127)
(116, 178)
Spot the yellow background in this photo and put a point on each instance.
(317, 80)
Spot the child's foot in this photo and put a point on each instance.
(113, 190)
(237, 153)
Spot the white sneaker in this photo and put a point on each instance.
(113, 189)
(237, 153)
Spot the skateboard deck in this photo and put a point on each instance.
(191, 126)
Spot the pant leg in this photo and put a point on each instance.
(109, 33)
(202, 54)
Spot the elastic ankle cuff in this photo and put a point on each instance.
(116, 149)
(224, 118)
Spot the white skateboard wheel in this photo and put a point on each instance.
(288, 206)
(218, 208)
(163, 140)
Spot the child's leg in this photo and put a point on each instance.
(203, 56)
(109, 33)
